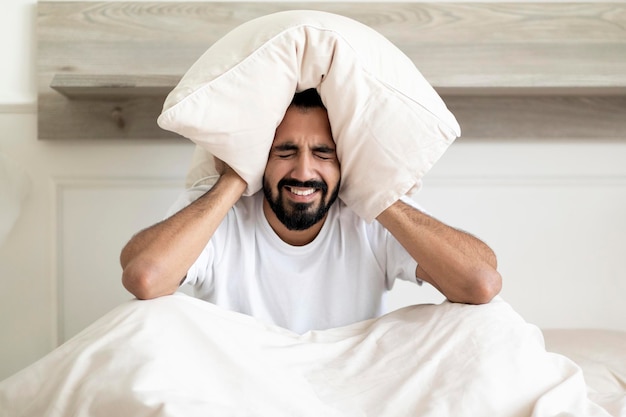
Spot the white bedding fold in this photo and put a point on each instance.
(179, 356)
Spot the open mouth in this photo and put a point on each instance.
(301, 191)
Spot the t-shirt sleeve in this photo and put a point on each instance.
(198, 274)
(400, 264)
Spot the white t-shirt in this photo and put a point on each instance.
(338, 279)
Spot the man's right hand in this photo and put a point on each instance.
(220, 166)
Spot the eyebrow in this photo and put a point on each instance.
(288, 146)
(323, 149)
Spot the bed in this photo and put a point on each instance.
(180, 356)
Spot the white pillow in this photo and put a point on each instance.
(389, 124)
(202, 169)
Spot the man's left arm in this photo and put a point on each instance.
(460, 266)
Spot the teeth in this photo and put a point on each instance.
(302, 191)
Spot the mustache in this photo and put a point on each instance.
(290, 182)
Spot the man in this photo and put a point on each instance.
(294, 255)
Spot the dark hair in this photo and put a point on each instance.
(307, 99)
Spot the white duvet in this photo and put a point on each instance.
(179, 356)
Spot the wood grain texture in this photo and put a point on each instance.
(98, 86)
(466, 50)
(540, 117)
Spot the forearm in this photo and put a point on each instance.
(461, 266)
(156, 260)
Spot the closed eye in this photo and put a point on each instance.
(324, 156)
(285, 150)
(324, 152)
(288, 150)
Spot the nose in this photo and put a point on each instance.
(304, 168)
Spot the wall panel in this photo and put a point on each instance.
(95, 218)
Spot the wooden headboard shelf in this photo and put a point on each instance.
(506, 70)
(102, 86)
(95, 86)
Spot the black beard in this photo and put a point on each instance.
(299, 216)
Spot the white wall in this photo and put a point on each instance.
(85, 200)
(554, 213)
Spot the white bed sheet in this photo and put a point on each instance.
(179, 356)
(600, 353)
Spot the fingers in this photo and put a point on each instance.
(220, 166)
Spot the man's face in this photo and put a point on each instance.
(302, 175)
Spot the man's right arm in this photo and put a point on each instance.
(156, 260)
